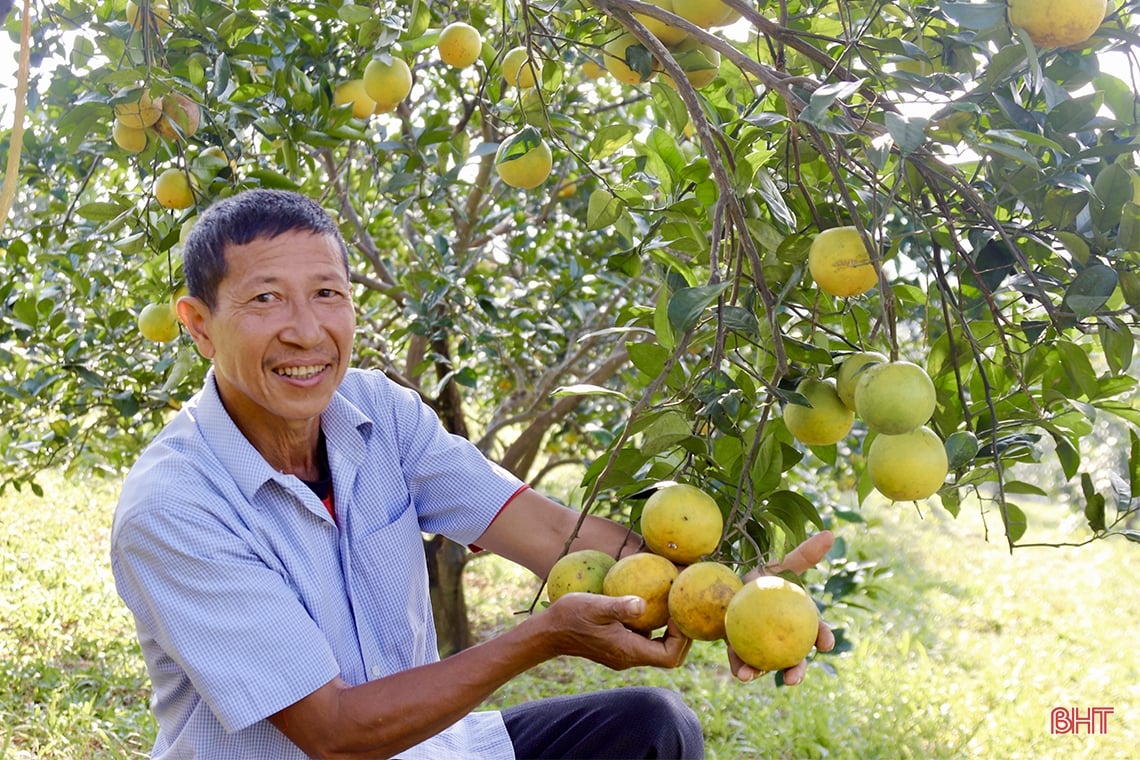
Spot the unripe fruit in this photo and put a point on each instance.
(894, 397)
(909, 466)
(387, 82)
(825, 422)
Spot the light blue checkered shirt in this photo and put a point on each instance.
(247, 596)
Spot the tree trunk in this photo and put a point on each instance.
(446, 560)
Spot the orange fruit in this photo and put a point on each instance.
(909, 466)
(681, 522)
(840, 263)
(826, 421)
(649, 576)
(771, 623)
(894, 397)
(699, 597)
(578, 571)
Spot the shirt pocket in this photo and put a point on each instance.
(389, 582)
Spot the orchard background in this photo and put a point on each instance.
(645, 313)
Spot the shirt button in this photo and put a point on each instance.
(376, 670)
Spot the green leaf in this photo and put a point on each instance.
(665, 432)
(100, 211)
(1113, 189)
(1134, 466)
(1118, 344)
(222, 83)
(1128, 236)
(516, 146)
(741, 320)
(1078, 368)
(977, 16)
(1015, 522)
(1094, 505)
(609, 140)
(961, 448)
(1068, 456)
(420, 20)
(351, 13)
(993, 263)
(909, 133)
(586, 389)
(817, 113)
(1090, 290)
(688, 304)
(603, 209)
(648, 357)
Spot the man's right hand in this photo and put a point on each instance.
(593, 626)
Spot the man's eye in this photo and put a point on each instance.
(326, 292)
(263, 297)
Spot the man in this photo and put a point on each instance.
(268, 542)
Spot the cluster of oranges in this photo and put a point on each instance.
(906, 460)
(771, 623)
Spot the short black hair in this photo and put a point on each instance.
(240, 219)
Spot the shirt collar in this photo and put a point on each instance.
(346, 428)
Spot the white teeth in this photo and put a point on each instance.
(301, 372)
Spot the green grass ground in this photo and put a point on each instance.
(964, 654)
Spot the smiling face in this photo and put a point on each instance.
(280, 335)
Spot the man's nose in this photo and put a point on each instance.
(304, 326)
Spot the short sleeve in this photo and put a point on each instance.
(206, 601)
(456, 490)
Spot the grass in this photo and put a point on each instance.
(963, 652)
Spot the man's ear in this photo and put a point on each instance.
(195, 317)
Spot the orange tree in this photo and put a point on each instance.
(646, 310)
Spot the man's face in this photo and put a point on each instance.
(280, 336)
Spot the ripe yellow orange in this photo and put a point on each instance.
(894, 397)
(840, 263)
(140, 113)
(159, 12)
(172, 189)
(849, 372)
(578, 571)
(705, 13)
(352, 92)
(387, 82)
(662, 30)
(771, 623)
(459, 45)
(521, 68)
(826, 421)
(649, 576)
(700, 62)
(681, 522)
(180, 118)
(157, 322)
(699, 597)
(592, 69)
(128, 138)
(1058, 23)
(909, 466)
(524, 159)
(623, 50)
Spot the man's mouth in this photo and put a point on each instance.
(301, 373)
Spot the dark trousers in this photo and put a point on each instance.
(618, 724)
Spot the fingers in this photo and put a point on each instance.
(805, 556)
(825, 640)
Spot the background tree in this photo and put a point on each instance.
(646, 311)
